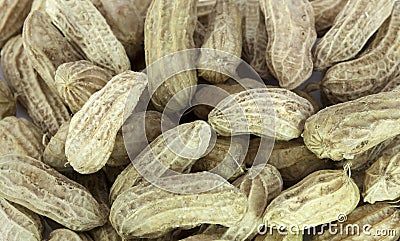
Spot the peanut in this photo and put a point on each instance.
(381, 179)
(133, 213)
(46, 47)
(68, 235)
(254, 37)
(126, 19)
(351, 128)
(224, 34)
(370, 73)
(8, 104)
(325, 13)
(77, 81)
(82, 24)
(259, 189)
(151, 123)
(54, 153)
(288, 54)
(353, 26)
(215, 94)
(163, 35)
(20, 136)
(254, 112)
(18, 223)
(43, 106)
(363, 161)
(12, 17)
(225, 159)
(93, 129)
(294, 161)
(105, 233)
(300, 204)
(38, 187)
(196, 134)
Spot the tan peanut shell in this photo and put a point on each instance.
(301, 204)
(43, 106)
(12, 17)
(126, 19)
(96, 184)
(77, 81)
(68, 235)
(224, 34)
(54, 153)
(133, 213)
(18, 223)
(145, 128)
(225, 159)
(393, 84)
(288, 153)
(363, 161)
(274, 235)
(105, 233)
(213, 94)
(19, 136)
(93, 129)
(379, 218)
(169, 28)
(325, 12)
(196, 135)
(382, 178)
(8, 103)
(370, 73)
(46, 47)
(290, 40)
(255, 111)
(344, 130)
(83, 25)
(259, 190)
(40, 188)
(254, 37)
(293, 160)
(353, 26)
